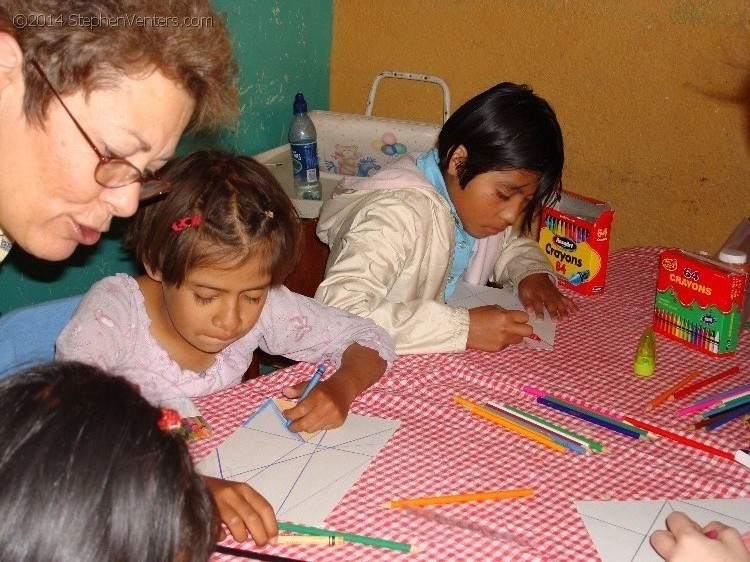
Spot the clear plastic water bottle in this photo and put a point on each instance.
(303, 142)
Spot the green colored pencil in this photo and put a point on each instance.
(728, 405)
(348, 537)
(590, 443)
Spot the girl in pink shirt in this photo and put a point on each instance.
(215, 251)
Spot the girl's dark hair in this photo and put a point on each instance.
(244, 214)
(507, 127)
(88, 475)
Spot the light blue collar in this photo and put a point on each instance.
(427, 162)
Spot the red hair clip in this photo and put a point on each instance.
(170, 420)
(187, 222)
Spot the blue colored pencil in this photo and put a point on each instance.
(589, 417)
(727, 416)
(312, 383)
(728, 405)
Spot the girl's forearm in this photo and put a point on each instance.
(361, 367)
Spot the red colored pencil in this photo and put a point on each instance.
(680, 439)
(681, 393)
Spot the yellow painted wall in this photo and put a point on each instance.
(637, 86)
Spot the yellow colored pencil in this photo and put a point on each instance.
(319, 540)
(456, 498)
(664, 396)
(478, 410)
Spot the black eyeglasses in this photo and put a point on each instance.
(112, 171)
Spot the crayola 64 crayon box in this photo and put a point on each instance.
(699, 302)
(574, 234)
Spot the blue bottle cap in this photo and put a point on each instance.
(300, 105)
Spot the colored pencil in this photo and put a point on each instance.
(590, 443)
(730, 393)
(664, 396)
(478, 410)
(685, 391)
(458, 498)
(728, 405)
(591, 417)
(348, 537)
(317, 540)
(576, 403)
(531, 425)
(534, 391)
(725, 417)
(710, 401)
(312, 383)
(680, 439)
(250, 555)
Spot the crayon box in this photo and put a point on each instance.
(574, 234)
(699, 302)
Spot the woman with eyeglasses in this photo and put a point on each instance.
(93, 99)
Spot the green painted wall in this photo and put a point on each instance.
(283, 46)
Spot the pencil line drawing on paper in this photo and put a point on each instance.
(302, 479)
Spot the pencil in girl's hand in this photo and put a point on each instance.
(312, 383)
(457, 498)
(664, 396)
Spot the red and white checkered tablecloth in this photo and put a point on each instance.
(440, 448)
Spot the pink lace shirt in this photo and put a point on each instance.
(110, 329)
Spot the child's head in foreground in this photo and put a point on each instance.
(507, 127)
(88, 475)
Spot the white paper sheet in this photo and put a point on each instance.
(302, 480)
(472, 296)
(621, 529)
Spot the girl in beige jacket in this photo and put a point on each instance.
(401, 239)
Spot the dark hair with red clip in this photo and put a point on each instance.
(243, 213)
(82, 450)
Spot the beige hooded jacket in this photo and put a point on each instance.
(391, 238)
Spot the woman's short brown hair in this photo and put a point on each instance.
(244, 213)
(84, 45)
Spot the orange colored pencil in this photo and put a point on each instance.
(507, 424)
(680, 439)
(664, 396)
(456, 498)
(681, 393)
